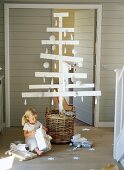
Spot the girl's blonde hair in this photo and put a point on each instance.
(27, 114)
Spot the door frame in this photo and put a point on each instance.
(8, 6)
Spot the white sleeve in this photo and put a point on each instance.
(26, 127)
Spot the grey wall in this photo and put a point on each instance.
(1, 38)
(112, 47)
(27, 29)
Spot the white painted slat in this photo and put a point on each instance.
(49, 86)
(86, 85)
(60, 29)
(63, 42)
(56, 74)
(61, 94)
(64, 14)
(58, 57)
(46, 86)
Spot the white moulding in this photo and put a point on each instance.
(56, 74)
(61, 94)
(60, 57)
(60, 42)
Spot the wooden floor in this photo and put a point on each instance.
(62, 156)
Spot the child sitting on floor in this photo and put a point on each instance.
(30, 123)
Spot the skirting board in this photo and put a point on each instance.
(2, 127)
(105, 124)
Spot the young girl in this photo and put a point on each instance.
(30, 123)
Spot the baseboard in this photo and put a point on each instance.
(2, 126)
(105, 124)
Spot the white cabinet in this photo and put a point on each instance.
(1, 102)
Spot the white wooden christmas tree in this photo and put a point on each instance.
(63, 75)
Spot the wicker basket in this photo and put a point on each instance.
(60, 126)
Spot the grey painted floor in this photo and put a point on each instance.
(62, 156)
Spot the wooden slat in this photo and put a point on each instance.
(58, 94)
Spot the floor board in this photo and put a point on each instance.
(62, 156)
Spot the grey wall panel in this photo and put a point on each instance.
(27, 29)
(113, 21)
(107, 96)
(36, 13)
(86, 36)
(113, 14)
(26, 80)
(112, 56)
(112, 37)
(2, 60)
(28, 35)
(29, 20)
(2, 37)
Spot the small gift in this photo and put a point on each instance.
(43, 140)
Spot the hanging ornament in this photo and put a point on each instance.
(65, 50)
(52, 38)
(56, 23)
(64, 34)
(54, 90)
(74, 51)
(82, 98)
(44, 79)
(53, 47)
(25, 102)
(75, 95)
(78, 82)
(52, 103)
(72, 79)
(55, 66)
(95, 100)
(46, 65)
(51, 81)
(72, 37)
(80, 64)
(46, 51)
(70, 67)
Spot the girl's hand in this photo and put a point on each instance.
(43, 127)
(33, 132)
(46, 129)
(28, 134)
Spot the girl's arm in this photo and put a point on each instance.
(43, 127)
(28, 134)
